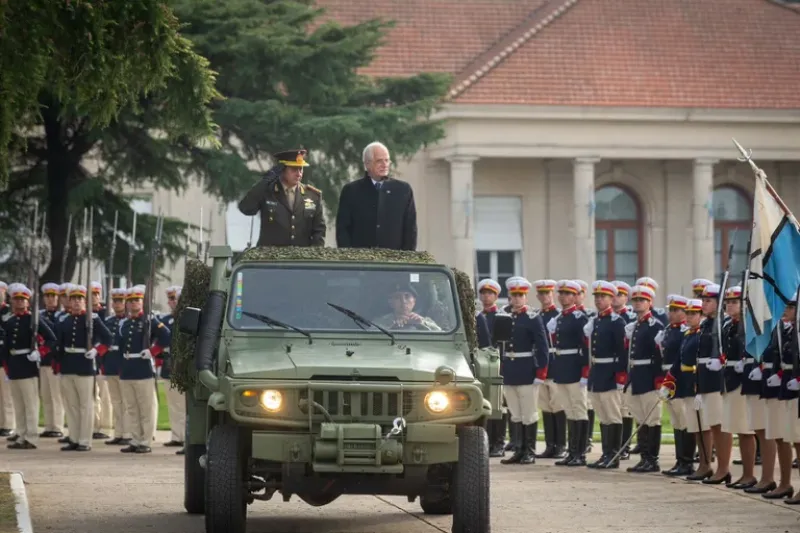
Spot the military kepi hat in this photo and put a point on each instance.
(292, 158)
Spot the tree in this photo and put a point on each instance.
(284, 83)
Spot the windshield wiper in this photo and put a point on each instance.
(272, 322)
(360, 320)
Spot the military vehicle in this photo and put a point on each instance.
(323, 378)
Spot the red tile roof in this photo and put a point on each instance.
(657, 53)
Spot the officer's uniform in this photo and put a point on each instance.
(669, 341)
(777, 368)
(137, 373)
(554, 418)
(496, 429)
(7, 415)
(590, 313)
(698, 285)
(628, 316)
(22, 355)
(103, 408)
(646, 376)
(524, 370)
(709, 373)
(660, 314)
(112, 362)
(289, 216)
(734, 404)
(176, 402)
(570, 371)
(605, 335)
(50, 386)
(78, 368)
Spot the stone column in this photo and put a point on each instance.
(462, 213)
(703, 263)
(583, 217)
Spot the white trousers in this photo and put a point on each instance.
(52, 402)
(548, 397)
(523, 402)
(176, 405)
(573, 399)
(7, 418)
(646, 408)
(607, 406)
(677, 414)
(26, 400)
(141, 409)
(103, 410)
(78, 393)
(115, 394)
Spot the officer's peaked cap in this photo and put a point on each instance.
(568, 285)
(622, 287)
(489, 285)
(292, 158)
(604, 287)
(647, 282)
(18, 290)
(518, 284)
(642, 291)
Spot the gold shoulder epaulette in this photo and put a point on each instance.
(312, 188)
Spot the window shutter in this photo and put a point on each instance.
(498, 223)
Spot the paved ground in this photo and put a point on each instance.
(105, 491)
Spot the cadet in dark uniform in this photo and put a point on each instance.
(646, 376)
(657, 312)
(291, 212)
(622, 308)
(488, 292)
(53, 405)
(590, 313)
(570, 370)
(670, 340)
(112, 362)
(7, 415)
(554, 418)
(608, 360)
(21, 358)
(176, 402)
(698, 285)
(524, 371)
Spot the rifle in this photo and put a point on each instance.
(200, 240)
(65, 251)
(35, 265)
(32, 244)
(721, 297)
(88, 248)
(82, 247)
(131, 247)
(110, 283)
(155, 252)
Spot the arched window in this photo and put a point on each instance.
(733, 221)
(618, 235)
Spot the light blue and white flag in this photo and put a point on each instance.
(774, 265)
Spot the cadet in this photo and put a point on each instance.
(608, 359)
(670, 340)
(103, 416)
(657, 312)
(63, 300)
(176, 402)
(98, 306)
(524, 370)
(50, 386)
(7, 415)
(646, 377)
(622, 308)
(698, 285)
(77, 366)
(488, 292)
(23, 351)
(554, 419)
(589, 313)
(137, 373)
(570, 370)
(112, 362)
(291, 212)
(5, 308)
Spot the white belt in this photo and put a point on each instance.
(75, 350)
(748, 360)
(787, 366)
(552, 350)
(514, 355)
(666, 367)
(166, 350)
(731, 363)
(641, 362)
(21, 351)
(114, 348)
(570, 351)
(767, 366)
(601, 360)
(703, 360)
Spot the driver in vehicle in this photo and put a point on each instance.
(402, 302)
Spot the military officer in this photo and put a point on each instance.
(605, 334)
(524, 371)
(554, 418)
(77, 366)
(646, 377)
(112, 362)
(488, 292)
(137, 372)
(176, 403)
(22, 354)
(291, 212)
(669, 341)
(570, 370)
(7, 415)
(50, 386)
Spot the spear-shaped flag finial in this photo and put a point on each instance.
(747, 157)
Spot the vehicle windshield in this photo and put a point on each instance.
(320, 298)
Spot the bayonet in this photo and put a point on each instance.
(65, 250)
(110, 276)
(131, 249)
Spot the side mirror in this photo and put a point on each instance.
(190, 321)
(503, 327)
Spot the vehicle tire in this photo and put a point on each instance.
(226, 506)
(470, 490)
(436, 506)
(194, 480)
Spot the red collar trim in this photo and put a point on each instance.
(569, 309)
(492, 309)
(523, 309)
(605, 312)
(646, 316)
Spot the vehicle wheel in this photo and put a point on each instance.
(194, 480)
(470, 490)
(226, 506)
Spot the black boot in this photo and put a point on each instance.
(507, 429)
(572, 429)
(580, 445)
(548, 421)
(518, 443)
(560, 435)
(529, 448)
(497, 439)
(758, 451)
(614, 445)
(686, 457)
(605, 442)
(653, 449)
(678, 436)
(627, 431)
(589, 441)
(641, 435)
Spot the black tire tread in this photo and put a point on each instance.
(471, 509)
(226, 511)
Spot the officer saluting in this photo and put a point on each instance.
(524, 370)
(291, 212)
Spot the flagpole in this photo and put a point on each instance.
(747, 157)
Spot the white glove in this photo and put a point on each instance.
(146, 354)
(91, 354)
(793, 384)
(35, 356)
(774, 381)
(698, 402)
(739, 367)
(620, 386)
(755, 374)
(663, 392)
(584, 383)
(552, 324)
(715, 365)
(538, 381)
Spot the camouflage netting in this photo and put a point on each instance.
(198, 276)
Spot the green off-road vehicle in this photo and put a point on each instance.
(320, 377)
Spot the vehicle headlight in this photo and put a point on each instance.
(437, 401)
(249, 398)
(272, 400)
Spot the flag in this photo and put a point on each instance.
(774, 266)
